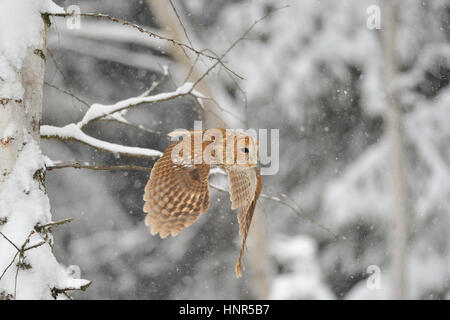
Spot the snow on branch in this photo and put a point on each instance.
(97, 111)
(73, 132)
(108, 112)
(71, 285)
(113, 112)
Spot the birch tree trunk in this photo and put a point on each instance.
(23, 113)
(28, 268)
(399, 231)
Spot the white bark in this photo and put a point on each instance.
(28, 268)
(21, 117)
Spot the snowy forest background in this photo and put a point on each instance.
(315, 71)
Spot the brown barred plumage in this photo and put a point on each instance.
(178, 191)
(247, 185)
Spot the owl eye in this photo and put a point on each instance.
(245, 150)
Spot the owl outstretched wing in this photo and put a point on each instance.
(245, 188)
(175, 195)
(178, 191)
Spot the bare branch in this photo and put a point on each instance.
(141, 29)
(7, 239)
(219, 60)
(181, 23)
(67, 93)
(224, 65)
(50, 53)
(297, 211)
(197, 96)
(138, 127)
(35, 246)
(9, 265)
(41, 228)
(155, 84)
(81, 284)
(77, 165)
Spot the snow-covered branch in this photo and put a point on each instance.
(71, 285)
(114, 112)
(73, 132)
(98, 111)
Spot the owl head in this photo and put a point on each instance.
(243, 147)
(220, 147)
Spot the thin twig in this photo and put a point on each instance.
(295, 210)
(35, 246)
(224, 65)
(52, 56)
(135, 26)
(181, 23)
(191, 69)
(182, 26)
(20, 262)
(196, 96)
(77, 165)
(21, 251)
(7, 239)
(139, 127)
(244, 95)
(11, 263)
(204, 50)
(200, 104)
(155, 84)
(40, 228)
(50, 53)
(306, 217)
(16, 276)
(66, 92)
(235, 43)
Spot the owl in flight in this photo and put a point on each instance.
(178, 190)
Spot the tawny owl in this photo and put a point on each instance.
(178, 190)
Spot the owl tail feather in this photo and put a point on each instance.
(240, 265)
(245, 219)
(246, 215)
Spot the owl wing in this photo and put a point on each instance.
(175, 195)
(245, 188)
